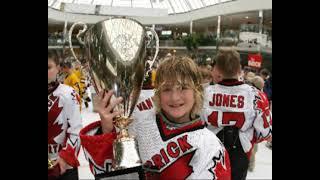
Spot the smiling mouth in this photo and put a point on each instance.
(176, 105)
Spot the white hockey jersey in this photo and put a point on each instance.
(64, 124)
(167, 150)
(233, 103)
(145, 100)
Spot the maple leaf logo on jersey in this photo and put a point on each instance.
(54, 128)
(179, 169)
(219, 168)
(261, 102)
(95, 168)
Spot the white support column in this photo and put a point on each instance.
(191, 23)
(260, 21)
(65, 32)
(218, 27)
(260, 28)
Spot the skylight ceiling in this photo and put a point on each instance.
(173, 6)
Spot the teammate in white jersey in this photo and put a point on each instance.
(238, 112)
(64, 124)
(173, 141)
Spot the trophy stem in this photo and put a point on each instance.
(123, 134)
(122, 123)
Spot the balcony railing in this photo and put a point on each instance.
(228, 38)
(60, 41)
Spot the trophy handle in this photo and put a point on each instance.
(78, 37)
(150, 62)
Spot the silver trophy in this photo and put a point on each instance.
(115, 57)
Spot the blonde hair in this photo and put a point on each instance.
(182, 71)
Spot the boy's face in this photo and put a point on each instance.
(53, 70)
(177, 101)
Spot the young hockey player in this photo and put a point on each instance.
(173, 141)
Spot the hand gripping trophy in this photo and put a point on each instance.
(115, 57)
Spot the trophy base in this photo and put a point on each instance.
(129, 173)
(126, 155)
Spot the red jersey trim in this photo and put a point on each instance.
(167, 134)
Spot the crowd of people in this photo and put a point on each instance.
(191, 121)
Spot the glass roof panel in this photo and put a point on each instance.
(168, 6)
(177, 8)
(142, 3)
(121, 3)
(56, 4)
(50, 2)
(160, 5)
(209, 2)
(173, 6)
(183, 5)
(102, 2)
(194, 4)
(80, 1)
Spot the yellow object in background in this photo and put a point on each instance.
(153, 77)
(73, 81)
